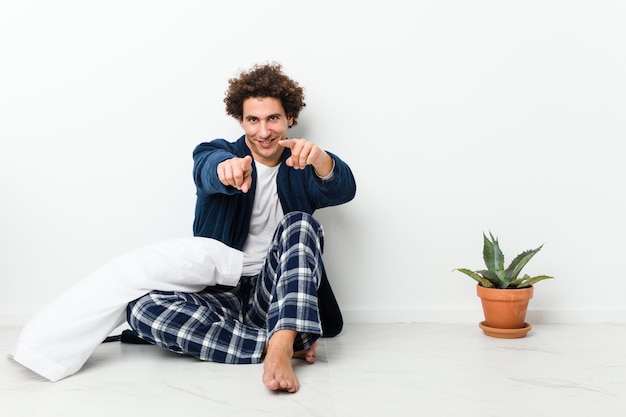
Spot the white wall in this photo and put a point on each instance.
(457, 117)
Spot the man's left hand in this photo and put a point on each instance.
(304, 152)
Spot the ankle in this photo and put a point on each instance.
(282, 339)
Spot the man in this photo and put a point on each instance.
(257, 195)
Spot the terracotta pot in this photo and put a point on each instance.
(505, 308)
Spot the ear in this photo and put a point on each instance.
(290, 121)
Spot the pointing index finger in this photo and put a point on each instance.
(287, 143)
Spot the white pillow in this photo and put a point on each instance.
(59, 339)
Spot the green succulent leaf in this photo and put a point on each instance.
(514, 269)
(492, 277)
(518, 283)
(480, 279)
(493, 256)
(527, 281)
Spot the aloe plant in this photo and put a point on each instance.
(496, 276)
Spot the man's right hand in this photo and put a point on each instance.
(236, 172)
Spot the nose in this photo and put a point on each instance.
(264, 130)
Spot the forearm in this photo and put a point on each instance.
(205, 171)
(341, 188)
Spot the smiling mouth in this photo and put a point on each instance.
(265, 142)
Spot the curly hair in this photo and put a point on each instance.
(264, 81)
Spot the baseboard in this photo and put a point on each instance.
(475, 316)
(436, 316)
(11, 319)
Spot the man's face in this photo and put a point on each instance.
(265, 123)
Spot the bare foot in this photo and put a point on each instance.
(308, 355)
(278, 374)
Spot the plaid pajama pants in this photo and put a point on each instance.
(233, 324)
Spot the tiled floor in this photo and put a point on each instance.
(369, 370)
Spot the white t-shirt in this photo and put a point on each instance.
(266, 214)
